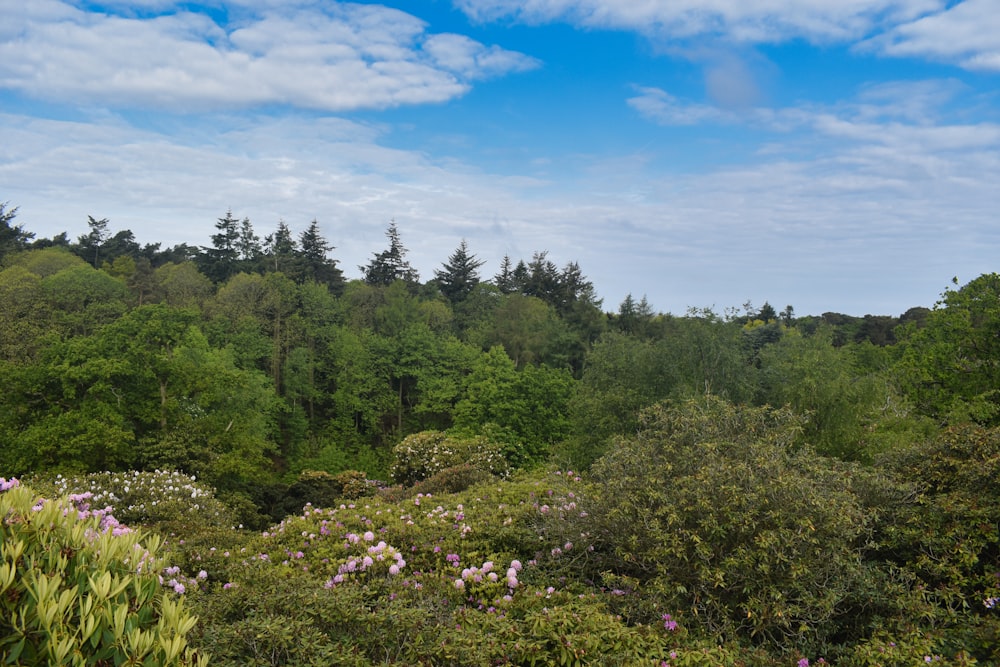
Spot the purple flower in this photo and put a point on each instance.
(804, 662)
(671, 625)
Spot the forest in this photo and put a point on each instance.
(245, 457)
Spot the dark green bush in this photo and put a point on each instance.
(712, 511)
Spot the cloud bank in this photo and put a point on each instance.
(332, 57)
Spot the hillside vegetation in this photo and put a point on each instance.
(242, 456)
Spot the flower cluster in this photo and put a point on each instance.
(179, 583)
(143, 497)
(6, 484)
(374, 556)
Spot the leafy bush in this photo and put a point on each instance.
(145, 498)
(710, 509)
(423, 454)
(947, 537)
(78, 588)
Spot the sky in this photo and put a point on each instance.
(832, 155)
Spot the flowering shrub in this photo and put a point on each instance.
(77, 587)
(145, 498)
(423, 454)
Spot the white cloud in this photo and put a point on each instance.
(663, 108)
(332, 57)
(863, 206)
(967, 34)
(738, 20)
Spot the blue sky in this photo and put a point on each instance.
(834, 155)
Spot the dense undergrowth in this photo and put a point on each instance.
(709, 538)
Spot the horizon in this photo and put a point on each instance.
(835, 157)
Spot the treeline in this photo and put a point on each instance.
(252, 359)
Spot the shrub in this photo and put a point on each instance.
(145, 498)
(78, 588)
(710, 509)
(423, 454)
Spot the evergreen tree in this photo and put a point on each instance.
(12, 237)
(315, 264)
(122, 244)
(543, 279)
(89, 245)
(460, 274)
(505, 280)
(248, 246)
(634, 317)
(390, 265)
(221, 261)
(280, 249)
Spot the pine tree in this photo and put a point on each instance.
(460, 274)
(313, 254)
(280, 249)
(505, 279)
(390, 265)
(248, 246)
(90, 244)
(220, 262)
(12, 237)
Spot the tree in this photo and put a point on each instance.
(23, 314)
(543, 280)
(950, 366)
(315, 263)
(280, 250)
(12, 237)
(248, 248)
(90, 244)
(767, 313)
(221, 261)
(529, 407)
(460, 274)
(390, 265)
(505, 280)
(637, 318)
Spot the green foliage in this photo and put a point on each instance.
(844, 400)
(77, 589)
(950, 366)
(424, 454)
(144, 498)
(712, 508)
(948, 537)
(529, 406)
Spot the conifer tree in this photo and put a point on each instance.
(12, 237)
(220, 261)
(280, 249)
(460, 274)
(390, 265)
(504, 280)
(315, 263)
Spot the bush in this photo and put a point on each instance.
(78, 588)
(423, 454)
(145, 498)
(710, 509)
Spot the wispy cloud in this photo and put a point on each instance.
(738, 20)
(330, 57)
(967, 34)
(886, 179)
